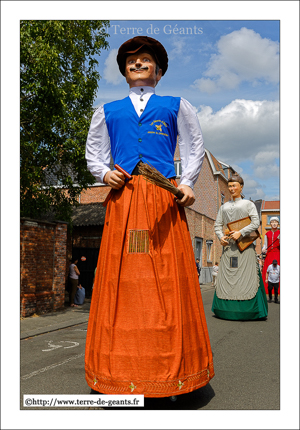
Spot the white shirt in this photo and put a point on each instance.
(215, 270)
(274, 272)
(72, 272)
(266, 241)
(190, 140)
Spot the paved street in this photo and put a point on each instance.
(246, 360)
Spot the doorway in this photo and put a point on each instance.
(86, 267)
(198, 249)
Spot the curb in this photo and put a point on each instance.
(205, 288)
(54, 327)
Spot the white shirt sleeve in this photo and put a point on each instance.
(97, 150)
(219, 223)
(252, 211)
(265, 244)
(190, 141)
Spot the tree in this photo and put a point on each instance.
(58, 87)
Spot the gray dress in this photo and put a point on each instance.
(242, 282)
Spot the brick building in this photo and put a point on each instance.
(211, 191)
(43, 266)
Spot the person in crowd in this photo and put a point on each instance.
(73, 278)
(147, 331)
(272, 278)
(94, 277)
(260, 263)
(240, 293)
(80, 295)
(198, 266)
(214, 273)
(271, 248)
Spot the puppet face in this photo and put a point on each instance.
(235, 189)
(140, 70)
(274, 224)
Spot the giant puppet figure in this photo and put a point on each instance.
(147, 332)
(240, 292)
(271, 248)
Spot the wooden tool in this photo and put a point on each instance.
(126, 174)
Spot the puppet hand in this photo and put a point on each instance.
(235, 235)
(115, 179)
(224, 241)
(189, 196)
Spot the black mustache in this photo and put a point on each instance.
(133, 69)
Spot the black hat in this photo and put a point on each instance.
(274, 262)
(133, 45)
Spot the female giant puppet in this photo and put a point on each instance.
(147, 332)
(271, 248)
(240, 293)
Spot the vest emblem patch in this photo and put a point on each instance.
(159, 127)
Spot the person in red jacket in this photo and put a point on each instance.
(271, 248)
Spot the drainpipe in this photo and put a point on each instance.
(217, 193)
(53, 268)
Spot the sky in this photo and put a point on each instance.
(229, 71)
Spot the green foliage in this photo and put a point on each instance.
(59, 81)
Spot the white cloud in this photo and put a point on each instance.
(179, 50)
(244, 129)
(111, 72)
(265, 165)
(243, 55)
(253, 190)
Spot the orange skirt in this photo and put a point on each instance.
(147, 331)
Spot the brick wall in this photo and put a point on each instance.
(223, 189)
(95, 194)
(202, 227)
(43, 266)
(205, 191)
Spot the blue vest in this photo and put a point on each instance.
(150, 138)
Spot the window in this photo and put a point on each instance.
(222, 199)
(209, 250)
(177, 165)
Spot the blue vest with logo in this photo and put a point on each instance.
(150, 138)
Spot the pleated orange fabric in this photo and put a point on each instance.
(147, 331)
